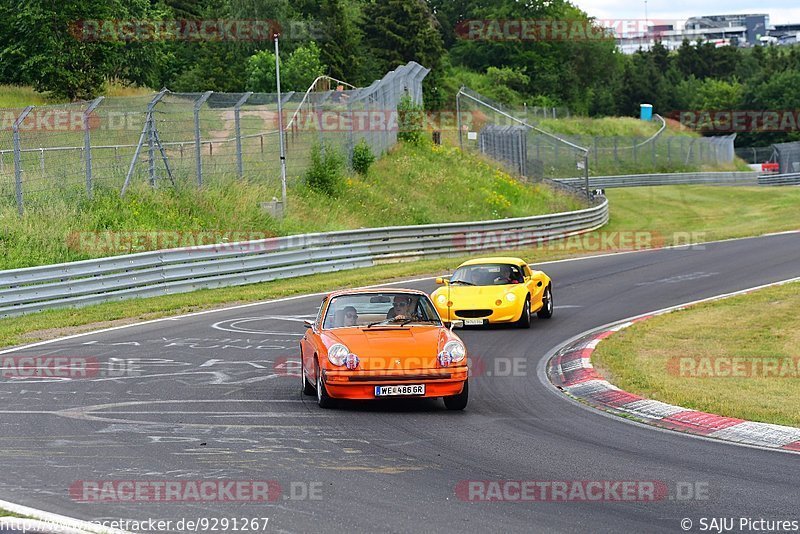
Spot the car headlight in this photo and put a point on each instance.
(511, 297)
(442, 300)
(456, 350)
(337, 354)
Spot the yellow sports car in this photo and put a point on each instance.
(494, 290)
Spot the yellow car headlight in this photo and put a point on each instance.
(511, 297)
(441, 300)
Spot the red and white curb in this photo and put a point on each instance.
(571, 371)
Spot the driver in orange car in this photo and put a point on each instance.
(401, 308)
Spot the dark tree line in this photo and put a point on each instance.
(359, 40)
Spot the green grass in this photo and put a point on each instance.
(605, 126)
(14, 96)
(716, 212)
(20, 96)
(6, 513)
(704, 212)
(410, 185)
(680, 357)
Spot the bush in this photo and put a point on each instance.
(409, 121)
(326, 172)
(363, 157)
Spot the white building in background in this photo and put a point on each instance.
(722, 30)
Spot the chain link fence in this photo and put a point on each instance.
(489, 128)
(787, 155)
(70, 150)
(754, 155)
(501, 133)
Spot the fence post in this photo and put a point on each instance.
(458, 119)
(669, 151)
(87, 143)
(18, 157)
(586, 174)
(236, 108)
(148, 128)
(654, 141)
(197, 145)
(351, 142)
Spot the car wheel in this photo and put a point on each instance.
(525, 318)
(458, 402)
(323, 399)
(547, 304)
(308, 389)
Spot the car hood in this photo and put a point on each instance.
(460, 294)
(382, 347)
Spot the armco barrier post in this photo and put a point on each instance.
(197, 148)
(87, 143)
(237, 123)
(18, 158)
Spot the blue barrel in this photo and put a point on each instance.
(646, 112)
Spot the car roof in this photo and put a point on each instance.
(495, 259)
(370, 290)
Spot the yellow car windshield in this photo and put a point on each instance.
(488, 274)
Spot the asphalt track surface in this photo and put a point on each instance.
(212, 400)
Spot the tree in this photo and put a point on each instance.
(302, 67)
(56, 48)
(298, 72)
(399, 31)
(261, 72)
(342, 47)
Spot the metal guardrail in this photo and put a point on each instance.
(779, 179)
(166, 272)
(681, 178)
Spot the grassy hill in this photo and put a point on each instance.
(410, 185)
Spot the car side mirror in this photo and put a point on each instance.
(308, 324)
(442, 280)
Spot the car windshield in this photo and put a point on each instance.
(365, 309)
(488, 274)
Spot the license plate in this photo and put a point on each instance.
(393, 391)
(473, 322)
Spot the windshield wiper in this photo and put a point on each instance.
(461, 282)
(370, 325)
(407, 321)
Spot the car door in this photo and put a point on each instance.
(310, 343)
(536, 282)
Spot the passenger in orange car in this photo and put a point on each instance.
(350, 316)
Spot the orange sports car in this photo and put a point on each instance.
(382, 343)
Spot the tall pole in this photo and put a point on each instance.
(280, 124)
